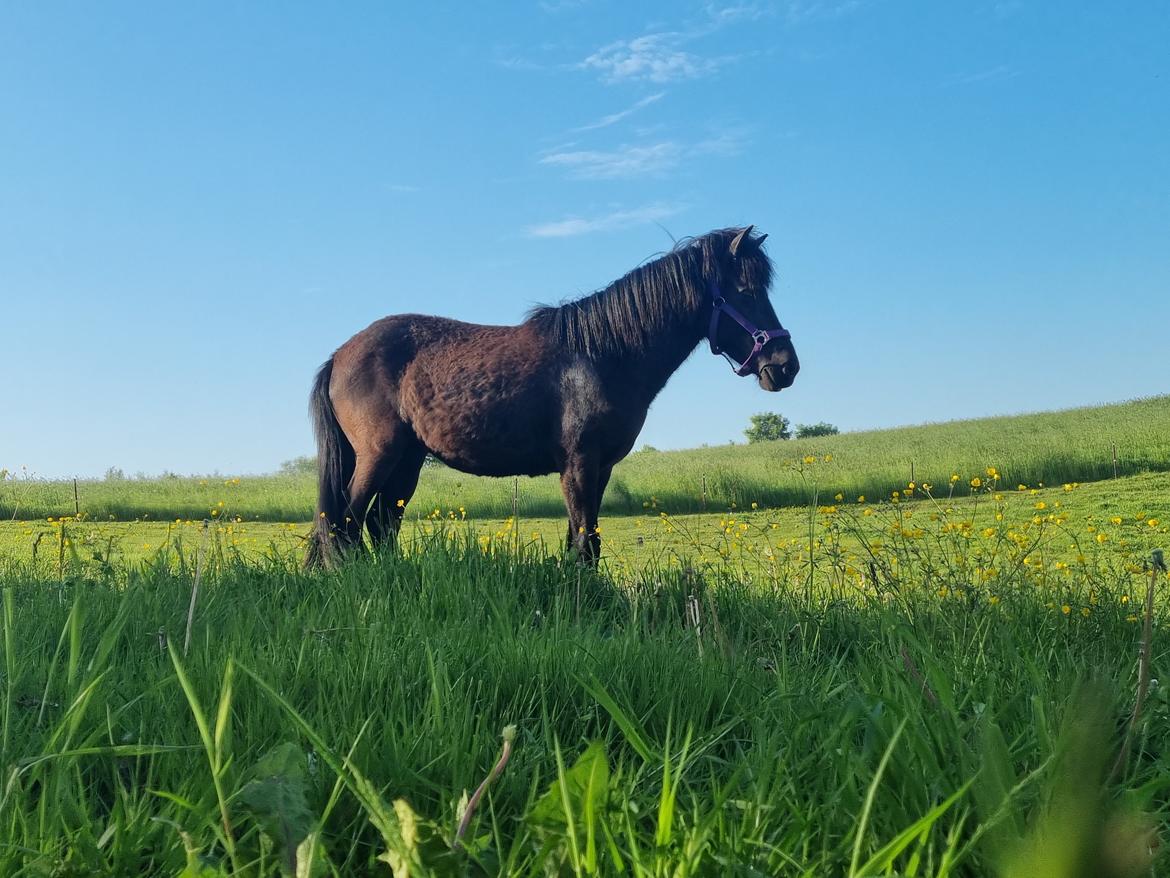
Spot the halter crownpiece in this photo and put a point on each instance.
(760, 337)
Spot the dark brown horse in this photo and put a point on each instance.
(566, 391)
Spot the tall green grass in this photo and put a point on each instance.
(334, 723)
(1050, 448)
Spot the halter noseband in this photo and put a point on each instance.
(761, 337)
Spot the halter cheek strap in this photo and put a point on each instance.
(760, 337)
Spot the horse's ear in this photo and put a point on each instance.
(760, 240)
(738, 239)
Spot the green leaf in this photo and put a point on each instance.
(312, 860)
(633, 731)
(884, 858)
(994, 788)
(421, 849)
(583, 786)
(200, 867)
(276, 797)
(198, 864)
(570, 810)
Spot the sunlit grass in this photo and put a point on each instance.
(1053, 533)
(1051, 448)
(679, 721)
(935, 679)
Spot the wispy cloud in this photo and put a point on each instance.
(991, 74)
(658, 57)
(555, 6)
(606, 121)
(617, 219)
(799, 11)
(720, 15)
(725, 144)
(508, 58)
(641, 160)
(625, 161)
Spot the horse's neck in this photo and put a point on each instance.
(649, 370)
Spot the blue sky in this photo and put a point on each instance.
(968, 203)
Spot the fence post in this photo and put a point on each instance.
(912, 479)
(61, 555)
(703, 498)
(516, 513)
(1114, 460)
(76, 500)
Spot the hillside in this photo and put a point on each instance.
(1075, 445)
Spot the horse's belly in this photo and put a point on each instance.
(504, 451)
(486, 427)
(500, 465)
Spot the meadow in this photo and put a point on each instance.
(1050, 448)
(950, 677)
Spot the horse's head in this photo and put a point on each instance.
(743, 325)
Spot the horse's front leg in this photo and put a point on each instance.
(579, 484)
(583, 482)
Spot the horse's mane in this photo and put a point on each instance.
(625, 317)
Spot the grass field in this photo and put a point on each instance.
(934, 684)
(674, 725)
(1065, 525)
(1050, 448)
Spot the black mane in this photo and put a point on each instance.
(654, 298)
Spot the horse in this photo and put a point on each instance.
(566, 391)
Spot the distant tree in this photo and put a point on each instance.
(298, 466)
(115, 474)
(308, 464)
(811, 431)
(766, 427)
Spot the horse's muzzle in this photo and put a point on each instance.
(777, 376)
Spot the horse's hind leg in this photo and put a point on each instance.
(385, 517)
(369, 472)
(376, 457)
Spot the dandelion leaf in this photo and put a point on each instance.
(420, 849)
(312, 859)
(994, 787)
(1081, 832)
(569, 813)
(199, 866)
(276, 798)
(581, 790)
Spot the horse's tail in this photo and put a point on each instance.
(334, 456)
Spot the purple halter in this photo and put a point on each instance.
(760, 336)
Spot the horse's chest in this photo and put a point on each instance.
(597, 415)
